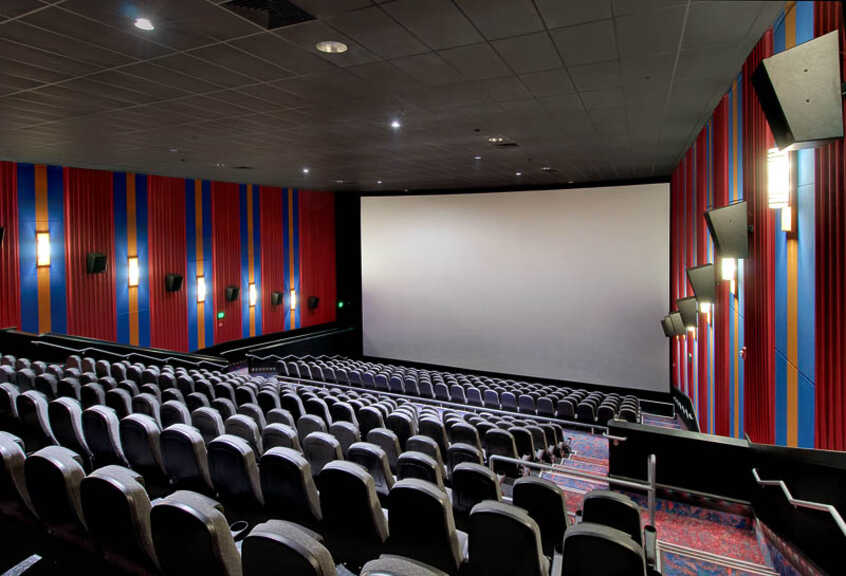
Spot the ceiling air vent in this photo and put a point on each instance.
(270, 14)
(506, 144)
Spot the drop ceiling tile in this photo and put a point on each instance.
(35, 57)
(138, 84)
(721, 23)
(502, 18)
(548, 82)
(168, 76)
(598, 76)
(237, 60)
(647, 32)
(13, 8)
(438, 23)
(207, 74)
(598, 99)
(20, 32)
(586, 43)
(529, 53)
(308, 34)
(284, 54)
(377, 32)
(476, 61)
(557, 13)
(30, 72)
(327, 8)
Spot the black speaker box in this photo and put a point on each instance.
(703, 279)
(173, 282)
(729, 229)
(313, 301)
(667, 326)
(232, 293)
(2, 234)
(275, 298)
(95, 262)
(800, 92)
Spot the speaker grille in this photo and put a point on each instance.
(270, 14)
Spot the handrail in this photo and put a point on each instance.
(797, 503)
(649, 486)
(137, 355)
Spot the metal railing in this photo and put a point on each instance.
(649, 486)
(797, 503)
(130, 356)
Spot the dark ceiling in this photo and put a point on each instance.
(591, 89)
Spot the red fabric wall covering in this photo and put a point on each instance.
(10, 297)
(701, 258)
(226, 235)
(675, 256)
(89, 227)
(759, 274)
(272, 257)
(722, 308)
(317, 246)
(689, 215)
(167, 255)
(830, 393)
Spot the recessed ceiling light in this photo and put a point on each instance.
(477, 157)
(496, 139)
(339, 181)
(570, 181)
(547, 169)
(396, 124)
(378, 181)
(331, 47)
(518, 173)
(144, 24)
(306, 170)
(173, 150)
(219, 164)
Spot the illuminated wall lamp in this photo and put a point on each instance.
(201, 289)
(786, 219)
(133, 272)
(42, 249)
(728, 272)
(778, 178)
(293, 300)
(705, 308)
(253, 295)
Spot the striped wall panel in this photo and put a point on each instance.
(10, 300)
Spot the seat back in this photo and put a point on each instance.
(14, 495)
(281, 416)
(101, 427)
(146, 403)
(234, 471)
(545, 503)
(369, 418)
(346, 433)
(288, 487)
(597, 550)
(279, 547)
(504, 541)
(254, 412)
(280, 436)
(141, 442)
(117, 513)
(403, 425)
(120, 401)
(427, 446)
(185, 458)
(47, 384)
(320, 448)
(246, 428)
(174, 412)
(420, 466)
(33, 413)
(471, 484)
(418, 509)
(501, 442)
(309, 423)
(615, 510)
(375, 461)
(209, 422)
(92, 394)
(191, 536)
(53, 475)
(458, 453)
(388, 442)
(354, 525)
(66, 423)
(464, 433)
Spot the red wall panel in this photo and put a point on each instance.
(272, 257)
(89, 227)
(167, 255)
(10, 301)
(226, 248)
(721, 312)
(317, 245)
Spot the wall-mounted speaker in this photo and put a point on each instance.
(313, 301)
(276, 298)
(678, 325)
(173, 282)
(703, 279)
(95, 262)
(2, 234)
(729, 229)
(232, 293)
(688, 310)
(667, 326)
(800, 93)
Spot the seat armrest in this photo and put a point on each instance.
(239, 530)
(650, 545)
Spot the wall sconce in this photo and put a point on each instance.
(293, 300)
(728, 268)
(42, 249)
(705, 308)
(787, 219)
(778, 178)
(201, 289)
(253, 295)
(133, 271)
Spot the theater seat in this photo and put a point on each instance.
(47, 384)
(288, 487)
(66, 423)
(53, 477)
(458, 453)
(421, 526)
(280, 436)
(120, 401)
(173, 412)
(613, 509)
(309, 423)
(188, 517)
(427, 446)
(209, 422)
(234, 473)
(281, 416)
(597, 550)
(33, 413)
(403, 425)
(140, 438)
(369, 418)
(434, 429)
(320, 448)
(254, 412)
(375, 461)
(92, 394)
(117, 514)
(354, 525)
(246, 428)
(346, 433)
(388, 442)
(471, 484)
(505, 541)
(101, 427)
(544, 502)
(14, 495)
(390, 565)
(185, 458)
(420, 466)
(69, 387)
(148, 404)
(501, 442)
(278, 547)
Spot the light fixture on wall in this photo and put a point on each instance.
(778, 178)
(787, 219)
(293, 300)
(253, 295)
(201, 289)
(133, 271)
(730, 230)
(688, 310)
(678, 325)
(728, 272)
(42, 249)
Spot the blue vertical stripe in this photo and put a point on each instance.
(286, 250)
(121, 257)
(191, 252)
(56, 216)
(26, 250)
(143, 260)
(245, 266)
(257, 254)
(295, 219)
(208, 264)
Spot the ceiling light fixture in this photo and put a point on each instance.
(570, 181)
(518, 173)
(331, 47)
(496, 139)
(144, 24)
(378, 181)
(396, 124)
(477, 157)
(339, 181)
(306, 170)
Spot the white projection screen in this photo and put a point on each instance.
(562, 284)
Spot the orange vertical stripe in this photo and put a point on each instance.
(201, 306)
(42, 224)
(291, 250)
(132, 251)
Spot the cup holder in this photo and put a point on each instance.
(239, 529)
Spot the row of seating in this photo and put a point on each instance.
(482, 391)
